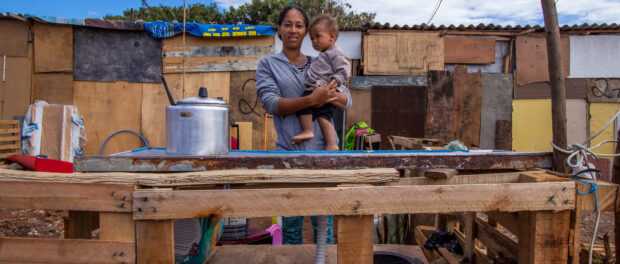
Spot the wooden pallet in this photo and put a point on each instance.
(9, 138)
(136, 223)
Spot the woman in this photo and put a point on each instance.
(279, 84)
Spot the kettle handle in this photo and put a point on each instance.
(163, 80)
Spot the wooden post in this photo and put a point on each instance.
(355, 239)
(117, 227)
(615, 178)
(543, 237)
(155, 241)
(558, 91)
(470, 235)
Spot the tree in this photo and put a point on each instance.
(257, 12)
(199, 13)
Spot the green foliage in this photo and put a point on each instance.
(257, 12)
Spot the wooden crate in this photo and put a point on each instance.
(9, 138)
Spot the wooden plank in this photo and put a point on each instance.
(80, 224)
(543, 237)
(51, 127)
(497, 90)
(16, 86)
(108, 107)
(606, 194)
(117, 227)
(17, 44)
(470, 231)
(53, 45)
(211, 177)
(532, 62)
(267, 254)
(508, 220)
(11, 146)
(9, 122)
(441, 173)
(402, 53)
(9, 130)
(469, 50)
(355, 239)
(495, 241)
(36, 250)
(354, 200)
(603, 90)
(66, 196)
(393, 108)
(10, 138)
(367, 82)
(575, 89)
(53, 88)
(245, 135)
(507, 177)
(215, 54)
(467, 105)
(439, 116)
(246, 107)
(503, 135)
(155, 241)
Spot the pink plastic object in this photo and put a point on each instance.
(276, 234)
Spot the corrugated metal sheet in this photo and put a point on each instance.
(490, 27)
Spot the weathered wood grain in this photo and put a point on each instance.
(354, 200)
(66, 196)
(36, 250)
(210, 177)
(469, 50)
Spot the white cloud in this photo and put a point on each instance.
(92, 13)
(503, 12)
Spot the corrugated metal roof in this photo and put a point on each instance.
(491, 27)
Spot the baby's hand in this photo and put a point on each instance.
(309, 89)
(334, 82)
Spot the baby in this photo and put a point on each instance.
(331, 65)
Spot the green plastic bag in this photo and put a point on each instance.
(349, 143)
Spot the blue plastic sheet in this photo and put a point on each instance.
(160, 29)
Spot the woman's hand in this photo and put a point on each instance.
(324, 94)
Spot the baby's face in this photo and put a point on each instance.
(322, 38)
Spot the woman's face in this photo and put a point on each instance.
(292, 30)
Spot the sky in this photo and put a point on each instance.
(401, 12)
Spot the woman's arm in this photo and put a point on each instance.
(320, 96)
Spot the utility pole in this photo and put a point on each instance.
(558, 91)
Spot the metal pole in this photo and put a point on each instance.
(558, 92)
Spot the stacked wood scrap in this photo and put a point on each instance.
(9, 138)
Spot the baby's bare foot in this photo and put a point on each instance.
(303, 136)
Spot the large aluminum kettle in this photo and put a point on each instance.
(197, 126)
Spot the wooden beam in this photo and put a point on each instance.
(470, 231)
(508, 220)
(305, 253)
(543, 237)
(505, 177)
(212, 177)
(355, 239)
(117, 227)
(558, 90)
(367, 82)
(495, 241)
(66, 196)
(164, 204)
(36, 250)
(155, 241)
(441, 173)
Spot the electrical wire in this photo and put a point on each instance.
(242, 101)
(146, 144)
(434, 12)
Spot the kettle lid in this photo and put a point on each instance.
(203, 99)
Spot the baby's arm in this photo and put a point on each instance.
(341, 67)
